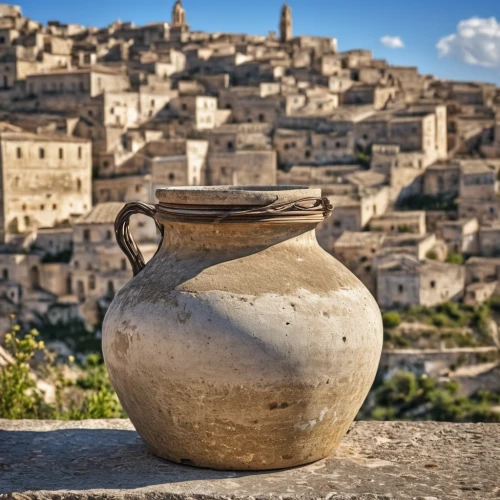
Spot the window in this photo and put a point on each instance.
(91, 282)
(400, 288)
(42, 207)
(41, 153)
(54, 206)
(138, 188)
(109, 235)
(105, 164)
(112, 111)
(307, 154)
(61, 153)
(79, 152)
(24, 207)
(152, 103)
(184, 107)
(78, 185)
(82, 86)
(433, 284)
(2, 39)
(124, 264)
(262, 118)
(230, 145)
(86, 235)
(90, 112)
(5, 274)
(19, 153)
(171, 177)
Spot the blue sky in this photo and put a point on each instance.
(420, 24)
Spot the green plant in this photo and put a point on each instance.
(21, 398)
(455, 258)
(391, 319)
(432, 255)
(405, 395)
(19, 395)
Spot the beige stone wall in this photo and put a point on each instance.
(442, 180)
(441, 284)
(123, 188)
(480, 270)
(400, 222)
(242, 168)
(44, 180)
(489, 241)
(55, 277)
(397, 289)
(483, 209)
(480, 185)
(80, 82)
(120, 109)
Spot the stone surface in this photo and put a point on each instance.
(107, 459)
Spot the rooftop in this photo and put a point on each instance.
(106, 459)
(359, 239)
(102, 213)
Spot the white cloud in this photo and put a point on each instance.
(393, 42)
(476, 41)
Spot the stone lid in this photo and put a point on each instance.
(234, 195)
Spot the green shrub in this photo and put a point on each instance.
(455, 258)
(439, 320)
(404, 393)
(391, 319)
(432, 255)
(21, 398)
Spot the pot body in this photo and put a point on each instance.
(242, 346)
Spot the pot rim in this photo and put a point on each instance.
(252, 196)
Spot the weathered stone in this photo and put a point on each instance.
(393, 460)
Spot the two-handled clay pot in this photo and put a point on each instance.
(241, 344)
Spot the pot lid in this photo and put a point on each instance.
(234, 195)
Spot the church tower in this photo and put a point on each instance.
(178, 15)
(286, 24)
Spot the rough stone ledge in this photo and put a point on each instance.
(106, 459)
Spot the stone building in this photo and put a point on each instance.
(489, 240)
(400, 222)
(45, 180)
(406, 281)
(84, 82)
(461, 236)
(98, 266)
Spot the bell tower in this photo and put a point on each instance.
(178, 14)
(286, 23)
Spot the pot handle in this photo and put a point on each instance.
(125, 240)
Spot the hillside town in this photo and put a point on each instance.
(92, 118)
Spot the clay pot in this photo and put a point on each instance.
(241, 344)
